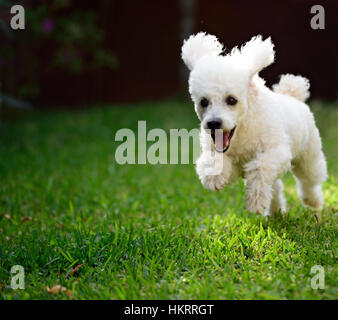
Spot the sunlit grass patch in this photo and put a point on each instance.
(71, 216)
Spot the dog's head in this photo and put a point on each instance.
(219, 84)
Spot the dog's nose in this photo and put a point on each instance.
(214, 124)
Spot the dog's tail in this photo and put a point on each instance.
(295, 86)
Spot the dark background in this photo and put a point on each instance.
(146, 37)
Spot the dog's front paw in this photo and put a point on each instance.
(258, 200)
(214, 183)
(256, 206)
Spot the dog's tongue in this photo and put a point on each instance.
(222, 140)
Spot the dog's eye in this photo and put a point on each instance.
(204, 102)
(230, 100)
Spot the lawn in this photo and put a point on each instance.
(71, 216)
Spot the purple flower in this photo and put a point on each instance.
(48, 25)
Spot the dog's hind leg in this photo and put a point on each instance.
(310, 172)
(278, 200)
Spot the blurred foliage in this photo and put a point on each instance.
(69, 40)
(75, 34)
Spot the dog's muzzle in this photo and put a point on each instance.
(222, 138)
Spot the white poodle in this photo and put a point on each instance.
(250, 131)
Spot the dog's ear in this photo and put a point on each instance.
(200, 45)
(257, 54)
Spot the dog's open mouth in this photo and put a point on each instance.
(222, 143)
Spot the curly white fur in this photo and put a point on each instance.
(274, 131)
(295, 86)
(198, 46)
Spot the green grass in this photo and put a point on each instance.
(148, 232)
